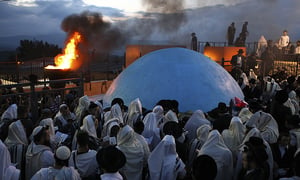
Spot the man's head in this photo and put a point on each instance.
(240, 51)
(284, 138)
(64, 109)
(94, 108)
(62, 155)
(41, 135)
(285, 32)
(110, 159)
(82, 138)
(204, 167)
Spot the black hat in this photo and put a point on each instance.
(240, 51)
(222, 108)
(111, 159)
(92, 105)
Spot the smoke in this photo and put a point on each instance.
(98, 35)
(170, 14)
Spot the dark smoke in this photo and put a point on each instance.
(170, 14)
(98, 35)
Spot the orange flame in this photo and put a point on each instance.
(66, 60)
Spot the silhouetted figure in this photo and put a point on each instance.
(240, 41)
(194, 42)
(230, 34)
(238, 63)
(268, 58)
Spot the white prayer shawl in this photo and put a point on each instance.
(261, 45)
(164, 162)
(16, 143)
(196, 120)
(65, 173)
(111, 176)
(245, 114)
(88, 125)
(144, 143)
(234, 136)
(116, 112)
(86, 163)
(254, 132)
(294, 101)
(266, 124)
(202, 134)
(216, 148)
(83, 105)
(151, 131)
(16, 134)
(245, 79)
(10, 112)
(169, 116)
(133, 151)
(49, 122)
(108, 125)
(7, 172)
(288, 103)
(37, 157)
(159, 113)
(64, 119)
(134, 111)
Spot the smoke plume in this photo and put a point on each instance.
(98, 35)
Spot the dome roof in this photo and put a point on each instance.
(191, 78)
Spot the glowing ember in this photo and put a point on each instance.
(65, 61)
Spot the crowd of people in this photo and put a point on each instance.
(255, 138)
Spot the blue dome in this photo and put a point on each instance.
(191, 78)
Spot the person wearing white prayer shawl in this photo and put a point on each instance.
(82, 108)
(216, 148)
(233, 136)
(17, 143)
(111, 159)
(266, 124)
(116, 112)
(110, 131)
(169, 116)
(159, 113)
(10, 113)
(7, 171)
(254, 132)
(295, 101)
(59, 170)
(133, 151)
(84, 159)
(49, 122)
(196, 120)
(245, 114)
(164, 162)
(134, 112)
(63, 116)
(151, 131)
(39, 154)
(201, 137)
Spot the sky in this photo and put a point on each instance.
(150, 21)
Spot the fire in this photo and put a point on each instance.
(66, 60)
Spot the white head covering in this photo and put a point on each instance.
(196, 120)
(108, 125)
(170, 116)
(88, 125)
(48, 122)
(202, 134)
(7, 171)
(159, 113)
(63, 153)
(10, 112)
(16, 134)
(134, 111)
(134, 152)
(83, 105)
(245, 114)
(162, 160)
(151, 131)
(116, 112)
(216, 148)
(266, 124)
(234, 136)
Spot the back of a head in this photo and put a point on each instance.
(204, 167)
(138, 127)
(172, 128)
(110, 159)
(117, 101)
(82, 138)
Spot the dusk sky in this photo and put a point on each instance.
(145, 21)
